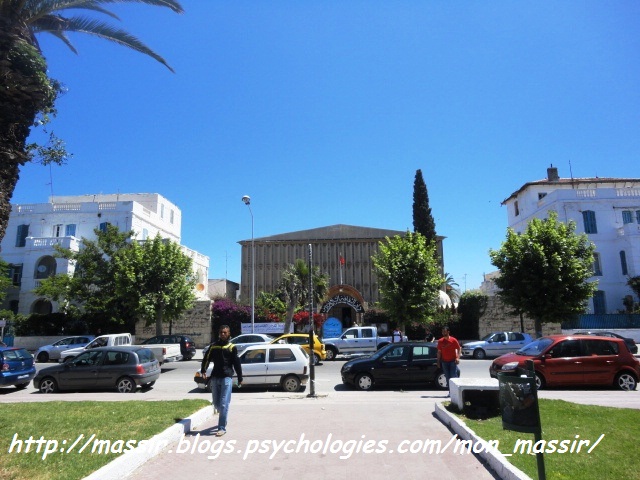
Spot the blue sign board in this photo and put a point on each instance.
(331, 328)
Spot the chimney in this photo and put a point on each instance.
(552, 174)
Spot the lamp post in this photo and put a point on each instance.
(247, 201)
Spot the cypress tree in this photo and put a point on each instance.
(423, 222)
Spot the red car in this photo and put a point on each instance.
(575, 360)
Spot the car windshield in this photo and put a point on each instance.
(536, 347)
(487, 337)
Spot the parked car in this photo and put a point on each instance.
(495, 344)
(187, 345)
(123, 368)
(112, 340)
(247, 339)
(399, 364)
(571, 360)
(284, 366)
(302, 339)
(17, 367)
(629, 341)
(53, 351)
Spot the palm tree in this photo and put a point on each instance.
(27, 94)
(450, 288)
(294, 287)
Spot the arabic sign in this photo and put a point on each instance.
(342, 300)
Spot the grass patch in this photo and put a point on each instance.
(129, 420)
(616, 456)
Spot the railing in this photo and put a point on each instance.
(601, 322)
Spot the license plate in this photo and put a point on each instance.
(22, 376)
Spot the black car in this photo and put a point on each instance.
(398, 364)
(187, 345)
(123, 368)
(633, 348)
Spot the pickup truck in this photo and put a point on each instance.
(162, 352)
(356, 340)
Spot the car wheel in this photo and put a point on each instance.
(540, 382)
(479, 354)
(441, 381)
(126, 385)
(332, 353)
(626, 381)
(291, 383)
(22, 386)
(316, 359)
(48, 385)
(364, 381)
(43, 357)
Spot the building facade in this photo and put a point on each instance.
(606, 209)
(34, 229)
(342, 251)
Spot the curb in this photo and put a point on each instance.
(126, 464)
(497, 462)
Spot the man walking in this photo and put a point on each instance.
(448, 354)
(224, 356)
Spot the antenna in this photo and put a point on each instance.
(51, 182)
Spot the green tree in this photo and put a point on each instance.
(408, 276)
(423, 222)
(5, 281)
(270, 305)
(91, 288)
(471, 307)
(294, 288)
(544, 271)
(451, 288)
(27, 94)
(155, 280)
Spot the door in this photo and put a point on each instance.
(565, 365)
(254, 366)
(81, 372)
(601, 362)
(112, 368)
(393, 366)
(281, 361)
(423, 364)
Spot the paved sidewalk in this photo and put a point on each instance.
(352, 435)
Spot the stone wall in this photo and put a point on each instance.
(195, 322)
(497, 318)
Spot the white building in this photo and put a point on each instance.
(34, 229)
(606, 209)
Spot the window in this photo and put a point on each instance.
(57, 230)
(638, 216)
(600, 347)
(623, 262)
(21, 237)
(281, 355)
(367, 333)
(145, 234)
(171, 217)
(15, 274)
(597, 268)
(103, 227)
(516, 210)
(254, 356)
(516, 337)
(541, 195)
(627, 217)
(589, 220)
(599, 303)
(161, 211)
(70, 230)
(568, 348)
(424, 353)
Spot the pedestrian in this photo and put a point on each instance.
(448, 355)
(396, 336)
(224, 356)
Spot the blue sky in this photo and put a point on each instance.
(322, 111)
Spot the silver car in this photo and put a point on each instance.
(496, 344)
(247, 339)
(52, 352)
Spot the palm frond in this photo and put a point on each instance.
(97, 28)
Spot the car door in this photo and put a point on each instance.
(601, 362)
(496, 345)
(254, 366)
(351, 342)
(60, 346)
(81, 372)
(281, 360)
(516, 342)
(112, 368)
(563, 363)
(393, 366)
(422, 365)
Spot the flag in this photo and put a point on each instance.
(341, 260)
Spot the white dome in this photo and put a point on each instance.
(443, 299)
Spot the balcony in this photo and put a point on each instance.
(47, 243)
(630, 229)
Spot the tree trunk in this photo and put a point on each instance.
(538, 327)
(159, 316)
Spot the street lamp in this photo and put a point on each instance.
(247, 201)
